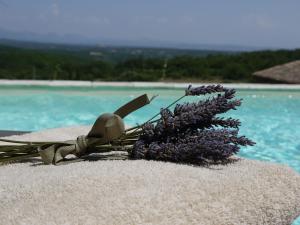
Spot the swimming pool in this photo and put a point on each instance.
(270, 118)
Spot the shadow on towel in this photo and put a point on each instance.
(124, 156)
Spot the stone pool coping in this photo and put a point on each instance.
(6, 133)
(60, 83)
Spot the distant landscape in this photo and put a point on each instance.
(46, 61)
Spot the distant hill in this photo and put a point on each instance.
(148, 43)
(46, 61)
(108, 53)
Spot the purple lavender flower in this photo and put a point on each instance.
(214, 145)
(228, 123)
(189, 135)
(203, 90)
(139, 150)
(201, 114)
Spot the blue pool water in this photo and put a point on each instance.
(270, 118)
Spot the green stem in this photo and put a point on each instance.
(138, 126)
(16, 152)
(103, 149)
(11, 148)
(166, 108)
(19, 157)
(23, 142)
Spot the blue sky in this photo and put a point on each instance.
(262, 23)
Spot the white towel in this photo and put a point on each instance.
(146, 192)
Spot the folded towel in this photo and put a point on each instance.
(145, 192)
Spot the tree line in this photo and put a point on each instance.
(17, 63)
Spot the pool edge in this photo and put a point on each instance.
(70, 83)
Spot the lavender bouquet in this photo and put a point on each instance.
(190, 133)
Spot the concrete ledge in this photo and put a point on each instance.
(5, 133)
(69, 83)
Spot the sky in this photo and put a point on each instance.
(257, 23)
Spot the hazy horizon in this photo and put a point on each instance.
(258, 24)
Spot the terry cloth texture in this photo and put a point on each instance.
(146, 192)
